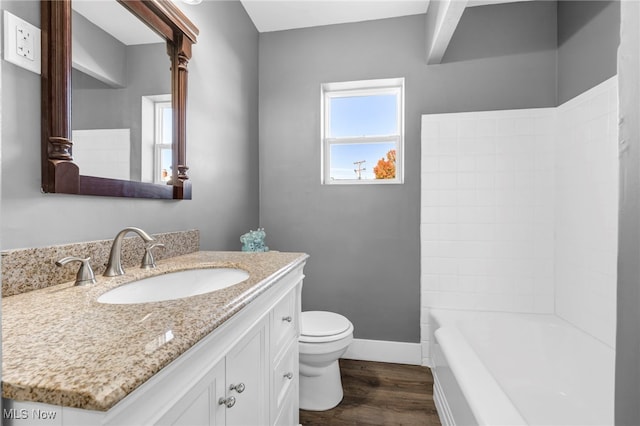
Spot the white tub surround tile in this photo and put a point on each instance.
(519, 211)
(487, 215)
(586, 204)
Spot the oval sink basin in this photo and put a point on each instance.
(174, 285)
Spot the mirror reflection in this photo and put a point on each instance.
(121, 95)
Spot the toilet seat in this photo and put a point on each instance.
(321, 326)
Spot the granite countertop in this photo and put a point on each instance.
(60, 346)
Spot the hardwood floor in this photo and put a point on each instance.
(378, 393)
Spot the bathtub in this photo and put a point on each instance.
(493, 368)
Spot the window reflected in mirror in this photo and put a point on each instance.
(162, 169)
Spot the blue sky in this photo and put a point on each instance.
(361, 116)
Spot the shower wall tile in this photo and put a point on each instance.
(519, 212)
(586, 204)
(487, 215)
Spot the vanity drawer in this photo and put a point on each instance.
(285, 375)
(284, 323)
(289, 414)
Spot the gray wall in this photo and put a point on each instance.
(222, 148)
(587, 45)
(364, 241)
(99, 106)
(627, 409)
(97, 53)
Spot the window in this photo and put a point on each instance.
(362, 132)
(163, 137)
(156, 134)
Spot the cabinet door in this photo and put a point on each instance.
(247, 377)
(199, 406)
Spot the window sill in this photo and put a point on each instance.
(342, 182)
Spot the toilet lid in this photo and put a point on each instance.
(320, 323)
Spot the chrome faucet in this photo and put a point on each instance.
(114, 267)
(148, 262)
(85, 273)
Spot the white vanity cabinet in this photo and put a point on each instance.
(233, 392)
(285, 326)
(243, 373)
(197, 406)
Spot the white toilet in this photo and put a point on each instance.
(324, 338)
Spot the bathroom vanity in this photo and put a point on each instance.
(225, 357)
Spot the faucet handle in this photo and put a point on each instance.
(148, 262)
(85, 273)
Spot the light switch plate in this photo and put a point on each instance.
(21, 43)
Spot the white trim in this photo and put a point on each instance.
(442, 19)
(150, 156)
(159, 143)
(385, 351)
(364, 139)
(364, 84)
(442, 405)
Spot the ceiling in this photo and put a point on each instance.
(441, 16)
(278, 15)
(117, 21)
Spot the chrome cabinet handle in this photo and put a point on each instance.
(238, 388)
(287, 319)
(229, 402)
(288, 375)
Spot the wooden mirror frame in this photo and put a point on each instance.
(59, 173)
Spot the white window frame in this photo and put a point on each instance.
(158, 146)
(361, 88)
(150, 133)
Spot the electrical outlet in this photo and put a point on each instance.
(22, 43)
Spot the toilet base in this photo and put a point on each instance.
(321, 392)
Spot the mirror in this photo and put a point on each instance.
(121, 115)
(114, 101)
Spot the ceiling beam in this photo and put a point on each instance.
(441, 21)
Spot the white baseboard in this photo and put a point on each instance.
(385, 351)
